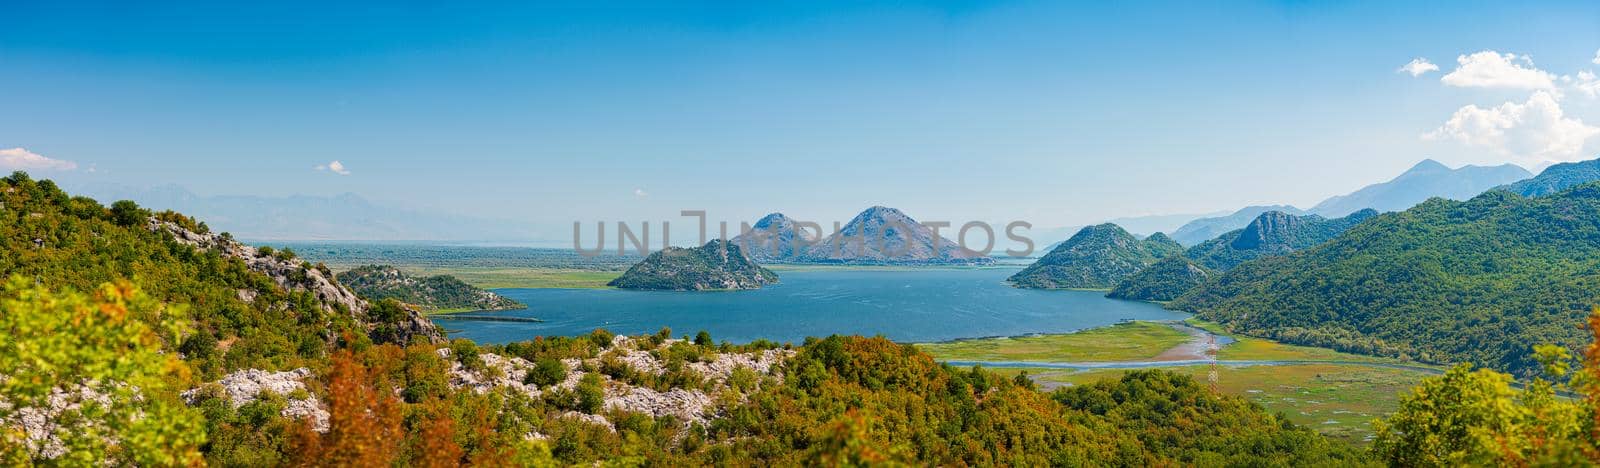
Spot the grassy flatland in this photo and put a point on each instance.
(494, 278)
(1127, 341)
(484, 267)
(1246, 348)
(1337, 400)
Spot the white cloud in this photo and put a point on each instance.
(336, 167)
(1418, 66)
(1586, 84)
(639, 192)
(22, 159)
(1537, 130)
(1596, 57)
(1490, 69)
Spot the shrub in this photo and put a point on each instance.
(591, 395)
(546, 372)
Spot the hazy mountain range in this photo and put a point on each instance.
(1427, 179)
(351, 217)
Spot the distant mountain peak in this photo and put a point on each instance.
(771, 220)
(1272, 227)
(880, 211)
(886, 235)
(1425, 166)
(1425, 180)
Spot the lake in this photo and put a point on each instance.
(910, 305)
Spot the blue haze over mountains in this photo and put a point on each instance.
(351, 217)
(1425, 180)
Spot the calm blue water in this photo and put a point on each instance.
(907, 306)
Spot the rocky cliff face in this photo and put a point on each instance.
(1097, 257)
(718, 265)
(1204, 229)
(1272, 233)
(883, 235)
(297, 275)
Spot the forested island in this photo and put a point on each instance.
(433, 294)
(718, 265)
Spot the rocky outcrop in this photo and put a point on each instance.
(1270, 234)
(689, 405)
(718, 265)
(246, 386)
(42, 432)
(297, 275)
(1204, 229)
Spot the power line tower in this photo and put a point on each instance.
(1211, 354)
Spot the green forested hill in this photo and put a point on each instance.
(432, 293)
(1556, 178)
(1163, 281)
(244, 318)
(1481, 281)
(1097, 257)
(1271, 233)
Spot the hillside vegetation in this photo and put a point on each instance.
(1557, 178)
(1271, 233)
(1162, 281)
(1479, 281)
(259, 308)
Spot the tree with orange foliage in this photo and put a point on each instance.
(365, 424)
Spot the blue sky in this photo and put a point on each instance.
(1052, 112)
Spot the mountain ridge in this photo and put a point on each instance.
(1487, 278)
(1556, 178)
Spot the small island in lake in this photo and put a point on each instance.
(718, 265)
(432, 294)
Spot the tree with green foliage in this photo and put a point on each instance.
(252, 321)
(95, 375)
(126, 213)
(546, 372)
(1476, 417)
